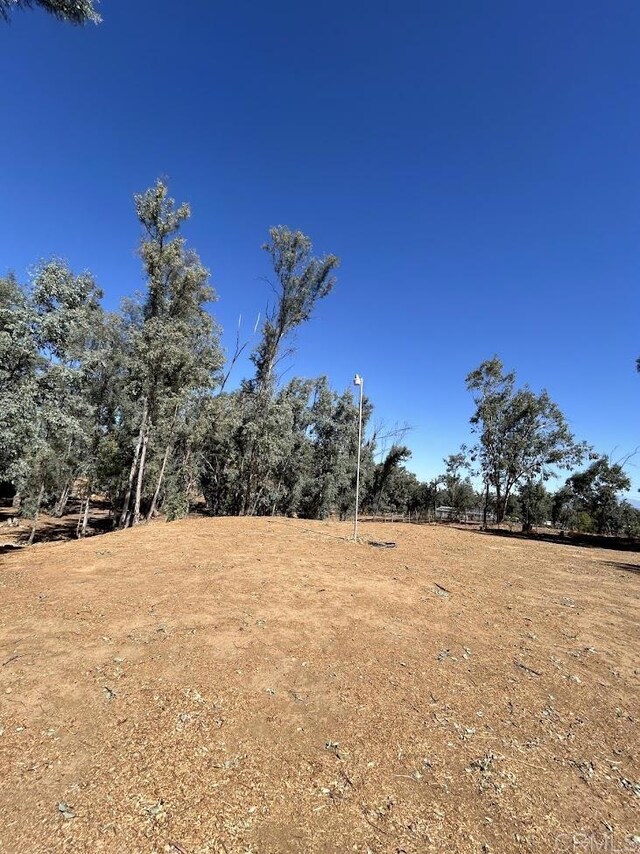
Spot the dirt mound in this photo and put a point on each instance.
(256, 685)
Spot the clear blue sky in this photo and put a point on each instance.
(475, 165)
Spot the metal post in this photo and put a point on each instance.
(358, 381)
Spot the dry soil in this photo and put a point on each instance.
(259, 685)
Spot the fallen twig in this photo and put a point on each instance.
(375, 826)
(13, 657)
(528, 669)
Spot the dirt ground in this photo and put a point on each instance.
(258, 685)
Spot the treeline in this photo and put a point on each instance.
(588, 502)
(522, 442)
(133, 407)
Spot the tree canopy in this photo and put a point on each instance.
(522, 436)
(73, 11)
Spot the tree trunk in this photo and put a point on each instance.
(485, 509)
(61, 503)
(499, 514)
(36, 515)
(85, 516)
(124, 516)
(143, 457)
(500, 505)
(156, 494)
(254, 509)
(527, 524)
(248, 494)
(165, 459)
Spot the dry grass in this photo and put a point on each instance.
(243, 685)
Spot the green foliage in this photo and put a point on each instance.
(458, 491)
(522, 436)
(73, 11)
(385, 471)
(629, 517)
(46, 335)
(535, 504)
(18, 359)
(173, 357)
(333, 436)
(590, 500)
(292, 454)
(261, 464)
(584, 523)
(302, 280)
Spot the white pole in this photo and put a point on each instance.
(358, 381)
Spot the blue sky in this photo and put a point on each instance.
(475, 165)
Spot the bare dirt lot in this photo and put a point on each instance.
(256, 685)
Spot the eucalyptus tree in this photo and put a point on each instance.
(69, 317)
(302, 279)
(175, 345)
(521, 436)
(73, 11)
(392, 461)
(58, 315)
(222, 453)
(594, 493)
(458, 489)
(105, 373)
(305, 441)
(424, 497)
(401, 492)
(333, 434)
(18, 360)
(535, 502)
(289, 473)
(267, 439)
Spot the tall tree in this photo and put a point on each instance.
(522, 436)
(104, 377)
(74, 11)
(18, 360)
(175, 348)
(55, 320)
(302, 280)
